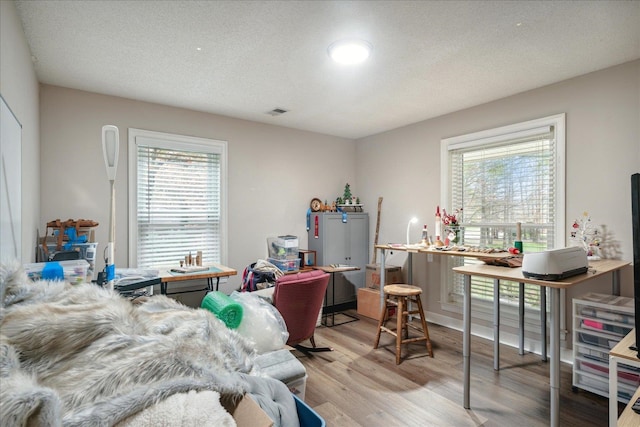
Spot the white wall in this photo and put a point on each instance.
(273, 171)
(603, 150)
(19, 87)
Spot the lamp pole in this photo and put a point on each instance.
(110, 149)
(411, 221)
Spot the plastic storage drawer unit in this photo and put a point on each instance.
(600, 321)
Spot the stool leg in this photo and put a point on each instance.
(424, 325)
(405, 319)
(381, 320)
(400, 319)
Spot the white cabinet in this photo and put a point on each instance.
(599, 323)
(341, 238)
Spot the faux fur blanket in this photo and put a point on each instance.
(80, 355)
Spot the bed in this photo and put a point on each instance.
(81, 355)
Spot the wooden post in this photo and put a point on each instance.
(375, 241)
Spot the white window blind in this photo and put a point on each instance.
(500, 180)
(179, 200)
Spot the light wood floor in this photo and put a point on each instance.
(355, 385)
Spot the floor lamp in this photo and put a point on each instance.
(110, 148)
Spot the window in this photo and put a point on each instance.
(501, 177)
(177, 198)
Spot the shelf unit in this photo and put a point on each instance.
(599, 322)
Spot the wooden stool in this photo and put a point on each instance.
(403, 294)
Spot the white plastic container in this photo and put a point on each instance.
(298, 386)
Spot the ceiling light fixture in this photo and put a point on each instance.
(349, 52)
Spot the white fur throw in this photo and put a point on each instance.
(79, 355)
(183, 410)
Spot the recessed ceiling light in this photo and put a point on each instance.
(351, 51)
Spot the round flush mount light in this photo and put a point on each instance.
(349, 52)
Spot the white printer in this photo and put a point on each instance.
(555, 264)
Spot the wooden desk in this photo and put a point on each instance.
(597, 268)
(416, 249)
(333, 270)
(215, 271)
(629, 418)
(496, 306)
(622, 354)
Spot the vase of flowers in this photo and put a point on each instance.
(453, 232)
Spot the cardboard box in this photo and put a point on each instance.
(247, 413)
(393, 274)
(369, 303)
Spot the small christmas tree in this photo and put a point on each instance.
(347, 192)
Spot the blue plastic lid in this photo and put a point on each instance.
(53, 271)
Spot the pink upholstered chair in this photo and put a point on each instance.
(298, 297)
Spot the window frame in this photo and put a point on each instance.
(178, 142)
(490, 137)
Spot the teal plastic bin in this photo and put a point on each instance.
(307, 416)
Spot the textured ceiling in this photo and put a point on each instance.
(430, 57)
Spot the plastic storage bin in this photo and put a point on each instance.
(600, 321)
(75, 271)
(286, 264)
(307, 416)
(283, 247)
(298, 386)
(88, 252)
